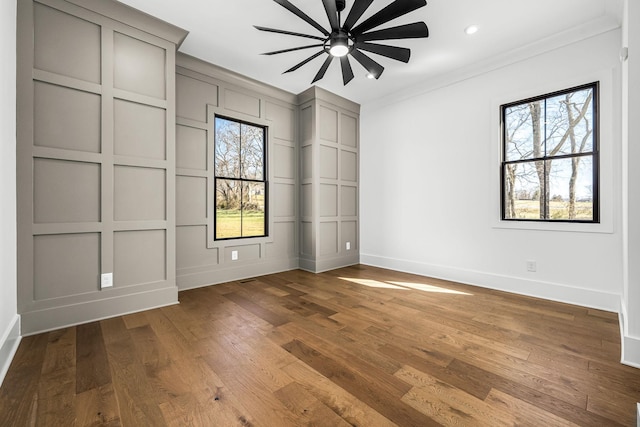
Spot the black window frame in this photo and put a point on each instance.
(594, 154)
(264, 181)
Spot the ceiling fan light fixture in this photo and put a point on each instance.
(339, 45)
(339, 50)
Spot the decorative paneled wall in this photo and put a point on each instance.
(115, 167)
(96, 161)
(329, 181)
(204, 90)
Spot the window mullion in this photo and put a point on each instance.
(545, 189)
(545, 181)
(241, 171)
(241, 208)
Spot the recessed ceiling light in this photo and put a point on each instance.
(370, 76)
(471, 29)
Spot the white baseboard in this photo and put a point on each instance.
(630, 351)
(539, 289)
(630, 346)
(8, 346)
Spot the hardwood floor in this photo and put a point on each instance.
(358, 346)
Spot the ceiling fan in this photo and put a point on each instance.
(351, 37)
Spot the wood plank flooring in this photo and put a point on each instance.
(359, 346)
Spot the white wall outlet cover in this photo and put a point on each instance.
(106, 280)
(348, 246)
(531, 266)
(234, 255)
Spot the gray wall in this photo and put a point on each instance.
(329, 144)
(115, 167)
(96, 166)
(313, 183)
(204, 90)
(9, 324)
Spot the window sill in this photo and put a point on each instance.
(554, 226)
(241, 241)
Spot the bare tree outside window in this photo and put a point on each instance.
(240, 179)
(550, 157)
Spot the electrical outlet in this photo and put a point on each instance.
(106, 280)
(234, 255)
(348, 245)
(531, 266)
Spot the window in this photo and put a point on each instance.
(550, 157)
(240, 179)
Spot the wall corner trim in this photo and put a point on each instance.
(9, 345)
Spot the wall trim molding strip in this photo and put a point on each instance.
(36, 322)
(9, 345)
(551, 291)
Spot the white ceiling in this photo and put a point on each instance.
(221, 32)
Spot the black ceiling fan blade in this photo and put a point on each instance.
(358, 8)
(392, 11)
(347, 72)
(323, 69)
(300, 64)
(275, 52)
(332, 13)
(369, 64)
(300, 14)
(290, 33)
(407, 31)
(398, 53)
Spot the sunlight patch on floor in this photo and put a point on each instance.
(403, 286)
(372, 283)
(429, 288)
